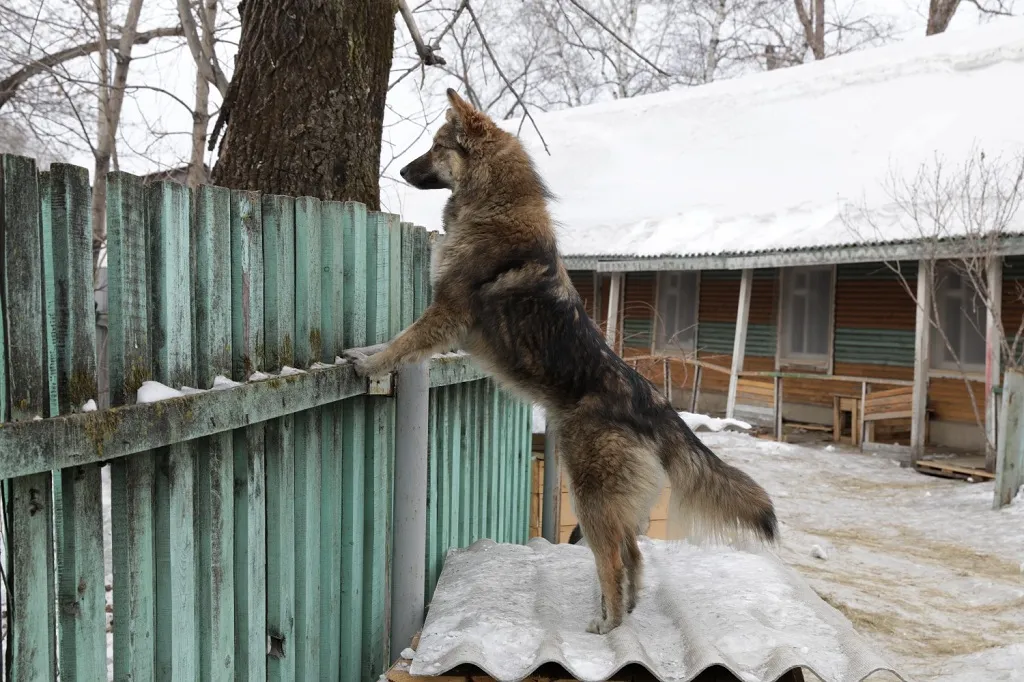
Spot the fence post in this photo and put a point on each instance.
(551, 490)
(1010, 454)
(410, 503)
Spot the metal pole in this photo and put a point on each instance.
(549, 525)
(412, 406)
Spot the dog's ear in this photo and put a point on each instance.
(469, 122)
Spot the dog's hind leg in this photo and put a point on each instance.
(632, 559)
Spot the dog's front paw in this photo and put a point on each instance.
(600, 626)
(366, 365)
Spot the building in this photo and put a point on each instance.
(781, 235)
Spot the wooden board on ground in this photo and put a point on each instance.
(964, 468)
(399, 672)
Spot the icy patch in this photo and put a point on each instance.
(258, 376)
(819, 552)
(338, 360)
(154, 392)
(221, 382)
(320, 365)
(697, 421)
(89, 406)
(287, 371)
(408, 653)
(188, 390)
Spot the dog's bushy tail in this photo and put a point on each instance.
(712, 500)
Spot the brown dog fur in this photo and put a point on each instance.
(502, 293)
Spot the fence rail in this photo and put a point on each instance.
(244, 531)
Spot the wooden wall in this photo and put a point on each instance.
(874, 330)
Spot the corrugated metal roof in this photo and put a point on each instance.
(508, 609)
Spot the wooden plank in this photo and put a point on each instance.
(332, 332)
(81, 583)
(308, 432)
(279, 298)
(250, 504)
(433, 493)
(399, 305)
(922, 356)
(353, 448)
(176, 634)
(1010, 455)
(993, 354)
(949, 467)
(740, 340)
(903, 391)
(131, 479)
(32, 653)
(215, 526)
(444, 466)
(469, 462)
(97, 436)
(459, 483)
(379, 420)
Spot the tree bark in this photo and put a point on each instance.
(940, 13)
(306, 104)
(812, 19)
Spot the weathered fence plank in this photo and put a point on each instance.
(379, 451)
(216, 475)
(281, 542)
(177, 630)
(250, 503)
(353, 440)
(1010, 459)
(308, 431)
(279, 281)
(29, 512)
(67, 240)
(131, 479)
(332, 327)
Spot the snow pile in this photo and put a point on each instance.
(154, 392)
(771, 161)
(89, 406)
(703, 421)
(221, 382)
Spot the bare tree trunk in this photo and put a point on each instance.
(111, 99)
(201, 112)
(306, 103)
(711, 63)
(812, 18)
(103, 134)
(940, 13)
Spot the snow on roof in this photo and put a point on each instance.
(774, 161)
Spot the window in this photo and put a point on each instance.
(676, 323)
(806, 315)
(960, 339)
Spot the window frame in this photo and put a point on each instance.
(817, 362)
(675, 349)
(938, 347)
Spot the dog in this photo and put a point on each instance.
(502, 293)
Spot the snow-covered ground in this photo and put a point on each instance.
(922, 566)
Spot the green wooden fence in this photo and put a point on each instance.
(251, 525)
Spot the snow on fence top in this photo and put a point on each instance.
(773, 161)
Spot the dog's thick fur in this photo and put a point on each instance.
(502, 293)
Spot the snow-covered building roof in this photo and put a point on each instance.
(777, 162)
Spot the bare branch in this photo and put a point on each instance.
(9, 85)
(426, 52)
(497, 66)
(614, 35)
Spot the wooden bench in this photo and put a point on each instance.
(895, 403)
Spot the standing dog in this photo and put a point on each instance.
(502, 293)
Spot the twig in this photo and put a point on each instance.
(613, 34)
(497, 67)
